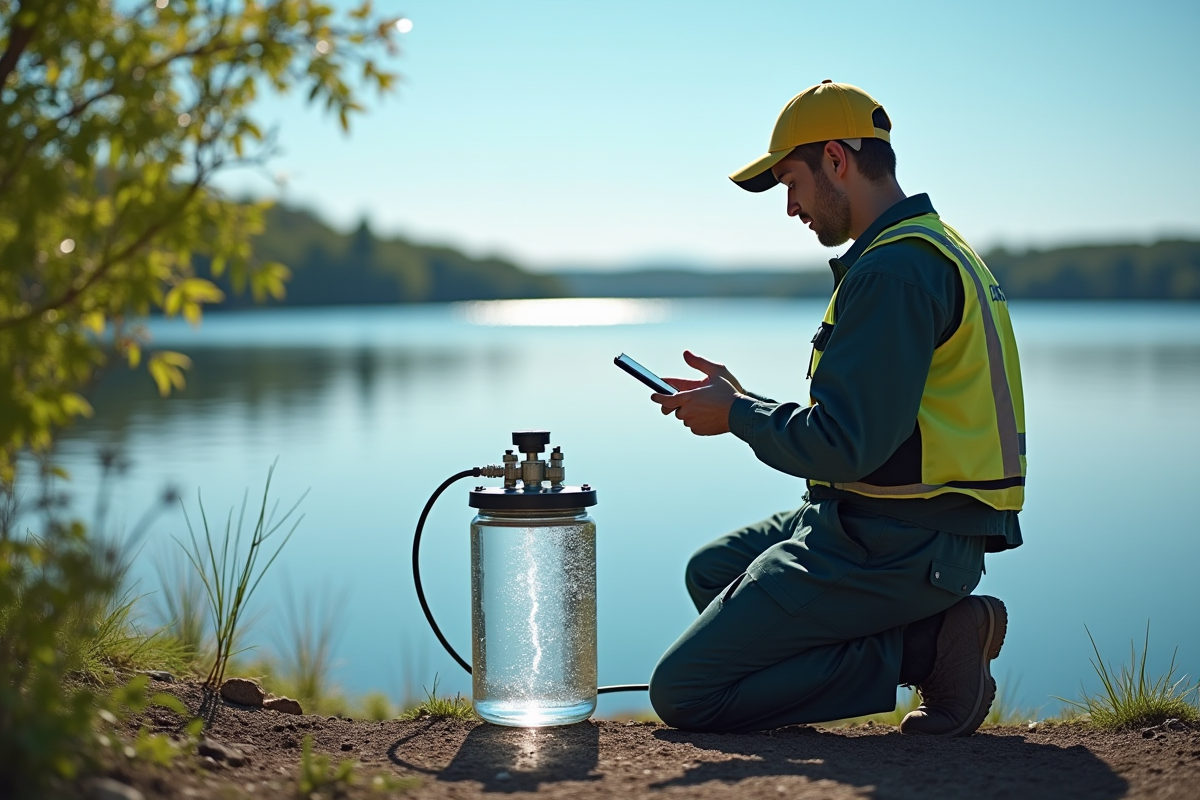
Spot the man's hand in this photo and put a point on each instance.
(702, 405)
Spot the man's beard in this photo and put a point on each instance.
(830, 213)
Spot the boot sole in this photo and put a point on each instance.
(997, 630)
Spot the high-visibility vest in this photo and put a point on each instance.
(971, 423)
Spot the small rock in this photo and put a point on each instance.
(108, 789)
(158, 675)
(1175, 725)
(1149, 733)
(870, 723)
(502, 775)
(243, 692)
(346, 746)
(284, 705)
(213, 749)
(210, 763)
(1034, 726)
(220, 752)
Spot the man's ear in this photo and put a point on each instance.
(835, 154)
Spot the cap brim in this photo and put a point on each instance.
(757, 176)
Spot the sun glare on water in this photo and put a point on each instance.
(581, 311)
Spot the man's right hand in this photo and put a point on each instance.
(711, 369)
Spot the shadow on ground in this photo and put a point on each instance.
(517, 759)
(890, 766)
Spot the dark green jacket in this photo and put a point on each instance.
(896, 304)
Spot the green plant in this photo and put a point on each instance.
(376, 706)
(457, 707)
(1132, 699)
(119, 643)
(317, 777)
(231, 577)
(119, 119)
(51, 588)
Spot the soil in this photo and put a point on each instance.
(599, 759)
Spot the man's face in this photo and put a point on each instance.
(815, 200)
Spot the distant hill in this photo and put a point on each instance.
(1164, 270)
(331, 268)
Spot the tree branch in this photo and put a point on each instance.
(75, 290)
(18, 40)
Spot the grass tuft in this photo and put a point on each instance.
(376, 706)
(457, 707)
(1130, 698)
(230, 577)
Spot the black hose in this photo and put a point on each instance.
(474, 472)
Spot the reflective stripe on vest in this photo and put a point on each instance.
(1004, 491)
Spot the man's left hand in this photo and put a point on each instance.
(705, 409)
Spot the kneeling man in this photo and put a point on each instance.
(913, 447)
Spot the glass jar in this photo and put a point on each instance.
(533, 616)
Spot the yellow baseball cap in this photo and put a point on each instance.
(820, 113)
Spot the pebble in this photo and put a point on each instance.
(108, 789)
(219, 752)
(243, 692)
(158, 675)
(284, 705)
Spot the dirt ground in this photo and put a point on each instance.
(595, 759)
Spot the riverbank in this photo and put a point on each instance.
(447, 758)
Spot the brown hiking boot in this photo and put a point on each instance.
(958, 693)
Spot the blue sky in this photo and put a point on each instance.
(600, 134)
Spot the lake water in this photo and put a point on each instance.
(371, 408)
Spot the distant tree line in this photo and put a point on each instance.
(332, 268)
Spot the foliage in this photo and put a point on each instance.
(51, 587)
(457, 707)
(116, 118)
(231, 577)
(59, 622)
(1130, 698)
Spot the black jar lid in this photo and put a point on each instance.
(558, 498)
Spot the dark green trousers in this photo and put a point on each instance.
(802, 618)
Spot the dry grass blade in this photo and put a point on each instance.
(229, 576)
